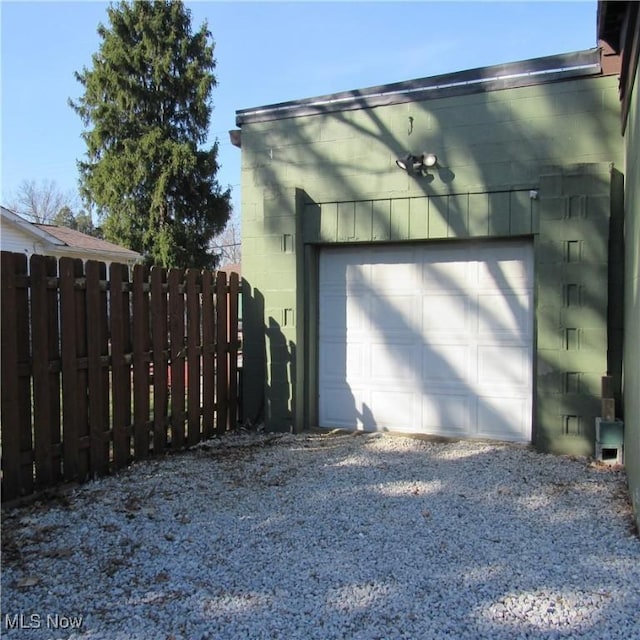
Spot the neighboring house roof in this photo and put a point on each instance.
(54, 240)
(73, 238)
(28, 227)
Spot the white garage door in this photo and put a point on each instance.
(432, 339)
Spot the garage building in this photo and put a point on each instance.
(438, 256)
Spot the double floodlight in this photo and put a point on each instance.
(417, 165)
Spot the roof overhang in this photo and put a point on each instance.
(92, 254)
(13, 219)
(619, 28)
(504, 76)
(610, 21)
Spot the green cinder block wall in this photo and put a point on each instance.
(571, 258)
(632, 298)
(331, 178)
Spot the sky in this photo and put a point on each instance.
(266, 52)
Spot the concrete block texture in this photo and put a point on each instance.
(557, 141)
(572, 251)
(631, 394)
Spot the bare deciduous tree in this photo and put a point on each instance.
(40, 202)
(227, 245)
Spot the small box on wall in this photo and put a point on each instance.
(610, 441)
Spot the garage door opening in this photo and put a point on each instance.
(434, 339)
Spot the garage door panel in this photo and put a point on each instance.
(392, 409)
(333, 269)
(339, 271)
(358, 276)
(357, 313)
(446, 312)
(436, 338)
(445, 363)
(393, 363)
(394, 313)
(342, 314)
(389, 277)
(505, 418)
(501, 267)
(333, 366)
(505, 366)
(342, 362)
(334, 320)
(338, 407)
(503, 314)
(447, 413)
(444, 269)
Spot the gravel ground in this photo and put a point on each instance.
(329, 536)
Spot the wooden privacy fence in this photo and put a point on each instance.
(100, 368)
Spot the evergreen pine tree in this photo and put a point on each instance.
(146, 108)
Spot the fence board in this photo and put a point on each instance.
(43, 420)
(70, 387)
(53, 355)
(25, 388)
(208, 355)
(98, 403)
(159, 332)
(9, 407)
(120, 369)
(193, 356)
(83, 334)
(140, 338)
(89, 341)
(176, 327)
(232, 329)
(221, 352)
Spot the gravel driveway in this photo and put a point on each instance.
(329, 536)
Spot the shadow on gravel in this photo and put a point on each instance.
(479, 539)
(531, 543)
(338, 537)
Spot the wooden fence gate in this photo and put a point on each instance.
(101, 367)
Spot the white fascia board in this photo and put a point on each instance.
(13, 219)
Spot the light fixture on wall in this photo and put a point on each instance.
(417, 165)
